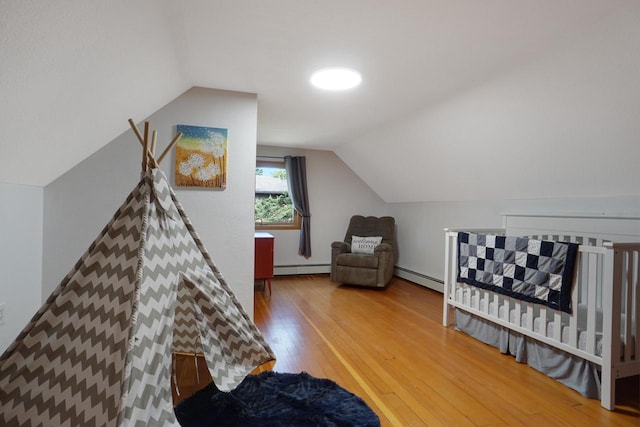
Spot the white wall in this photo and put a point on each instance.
(421, 239)
(563, 125)
(335, 194)
(80, 203)
(73, 72)
(21, 210)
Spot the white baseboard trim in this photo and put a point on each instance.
(419, 278)
(292, 270)
(403, 273)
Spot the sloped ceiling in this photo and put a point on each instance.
(74, 71)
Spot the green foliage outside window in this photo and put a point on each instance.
(274, 208)
(280, 173)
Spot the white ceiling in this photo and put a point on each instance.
(410, 53)
(73, 71)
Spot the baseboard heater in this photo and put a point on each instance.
(403, 273)
(419, 278)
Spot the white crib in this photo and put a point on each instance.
(604, 324)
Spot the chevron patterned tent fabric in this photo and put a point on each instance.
(98, 352)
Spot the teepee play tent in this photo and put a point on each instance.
(99, 351)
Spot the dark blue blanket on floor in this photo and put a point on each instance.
(273, 399)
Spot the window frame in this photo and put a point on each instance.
(297, 219)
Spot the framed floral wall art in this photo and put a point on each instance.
(201, 157)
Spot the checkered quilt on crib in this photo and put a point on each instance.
(538, 271)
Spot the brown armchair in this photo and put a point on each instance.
(373, 270)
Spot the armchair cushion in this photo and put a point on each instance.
(357, 260)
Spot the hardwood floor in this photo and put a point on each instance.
(390, 348)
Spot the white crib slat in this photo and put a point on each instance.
(628, 300)
(614, 311)
(449, 280)
(573, 322)
(636, 298)
(517, 313)
(486, 298)
(543, 321)
(592, 284)
(475, 298)
(608, 382)
(573, 330)
(557, 326)
(530, 316)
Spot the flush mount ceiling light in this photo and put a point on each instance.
(336, 78)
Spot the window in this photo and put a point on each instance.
(273, 208)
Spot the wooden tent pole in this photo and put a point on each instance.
(151, 156)
(136, 131)
(171, 144)
(151, 151)
(145, 146)
(153, 143)
(154, 164)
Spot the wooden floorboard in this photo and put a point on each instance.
(390, 348)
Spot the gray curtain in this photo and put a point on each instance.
(296, 168)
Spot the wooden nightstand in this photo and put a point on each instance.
(263, 264)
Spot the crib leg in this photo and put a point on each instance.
(608, 390)
(445, 312)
